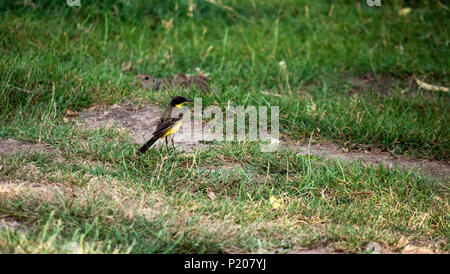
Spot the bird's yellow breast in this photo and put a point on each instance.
(173, 129)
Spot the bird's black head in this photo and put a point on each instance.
(178, 101)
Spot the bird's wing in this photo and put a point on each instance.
(165, 116)
(164, 126)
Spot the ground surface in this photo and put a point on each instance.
(363, 162)
(140, 122)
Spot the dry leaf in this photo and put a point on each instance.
(191, 8)
(126, 66)
(330, 13)
(220, 4)
(275, 202)
(402, 242)
(273, 94)
(311, 107)
(430, 87)
(211, 195)
(208, 51)
(404, 12)
(201, 73)
(167, 24)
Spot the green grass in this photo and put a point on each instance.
(54, 57)
(73, 56)
(322, 202)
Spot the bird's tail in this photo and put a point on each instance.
(147, 145)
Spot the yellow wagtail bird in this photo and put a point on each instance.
(167, 125)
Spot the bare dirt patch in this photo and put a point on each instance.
(379, 83)
(385, 84)
(11, 146)
(414, 249)
(19, 188)
(140, 122)
(408, 246)
(435, 169)
(128, 202)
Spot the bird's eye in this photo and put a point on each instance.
(146, 78)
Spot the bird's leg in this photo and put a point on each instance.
(173, 143)
(165, 138)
